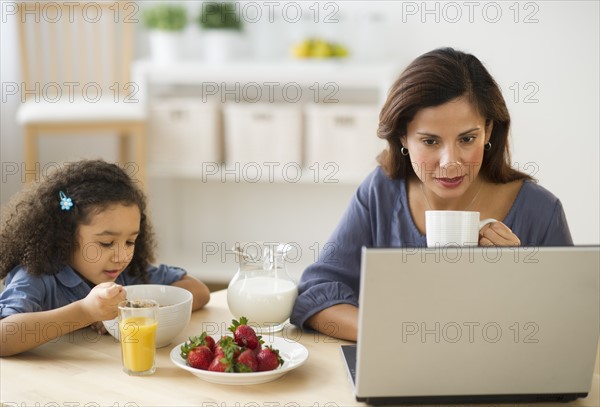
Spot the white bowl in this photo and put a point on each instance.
(173, 315)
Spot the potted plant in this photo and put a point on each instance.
(221, 26)
(166, 23)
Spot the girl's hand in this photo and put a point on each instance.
(101, 303)
(99, 327)
(497, 234)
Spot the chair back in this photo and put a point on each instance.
(77, 49)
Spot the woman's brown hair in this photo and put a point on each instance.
(40, 236)
(433, 79)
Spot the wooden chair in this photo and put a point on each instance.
(75, 60)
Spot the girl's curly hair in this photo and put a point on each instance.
(37, 234)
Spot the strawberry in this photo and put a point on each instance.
(195, 341)
(226, 351)
(210, 342)
(200, 357)
(219, 351)
(258, 348)
(246, 362)
(243, 334)
(218, 365)
(226, 341)
(268, 359)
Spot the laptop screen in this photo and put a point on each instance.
(477, 322)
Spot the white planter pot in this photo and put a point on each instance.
(165, 46)
(221, 45)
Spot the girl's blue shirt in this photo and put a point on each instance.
(379, 216)
(27, 293)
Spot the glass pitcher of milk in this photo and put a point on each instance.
(262, 289)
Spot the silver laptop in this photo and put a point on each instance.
(486, 325)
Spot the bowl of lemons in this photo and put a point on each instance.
(318, 48)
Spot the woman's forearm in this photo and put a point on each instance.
(339, 321)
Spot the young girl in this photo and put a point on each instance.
(67, 247)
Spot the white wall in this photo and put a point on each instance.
(555, 54)
(11, 146)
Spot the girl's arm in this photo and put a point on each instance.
(22, 332)
(198, 289)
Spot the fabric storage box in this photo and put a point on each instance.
(184, 133)
(265, 132)
(342, 140)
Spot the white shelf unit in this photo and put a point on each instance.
(304, 73)
(198, 206)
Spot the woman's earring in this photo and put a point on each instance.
(404, 151)
(487, 146)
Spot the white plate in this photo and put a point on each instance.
(292, 353)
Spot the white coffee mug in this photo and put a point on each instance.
(455, 228)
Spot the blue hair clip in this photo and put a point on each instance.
(65, 203)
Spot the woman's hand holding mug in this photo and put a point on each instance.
(497, 234)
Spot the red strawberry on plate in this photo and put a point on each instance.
(200, 357)
(227, 342)
(209, 342)
(195, 341)
(268, 359)
(219, 351)
(258, 348)
(244, 335)
(226, 351)
(246, 362)
(218, 365)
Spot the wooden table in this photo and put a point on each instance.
(83, 368)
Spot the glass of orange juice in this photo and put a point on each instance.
(137, 329)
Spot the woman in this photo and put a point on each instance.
(446, 124)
